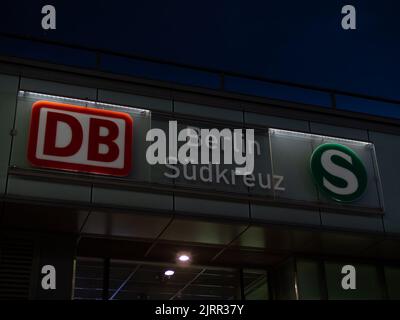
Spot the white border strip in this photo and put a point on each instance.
(97, 103)
(310, 135)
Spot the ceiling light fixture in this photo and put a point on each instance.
(169, 273)
(183, 257)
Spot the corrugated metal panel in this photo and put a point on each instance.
(16, 259)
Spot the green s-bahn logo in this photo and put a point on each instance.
(338, 172)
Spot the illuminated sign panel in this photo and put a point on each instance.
(296, 168)
(326, 170)
(75, 138)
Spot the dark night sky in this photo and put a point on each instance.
(295, 41)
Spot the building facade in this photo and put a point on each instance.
(274, 235)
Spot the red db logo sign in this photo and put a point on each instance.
(75, 138)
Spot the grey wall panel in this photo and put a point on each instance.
(125, 224)
(275, 122)
(388, 153)
(104, 196)
(22, 187)
(208, 232)
(370, 223)
(352, 222)
(335, 131)
(20, 141)
(208, 112)
(211, 207)
(285, 215)
(57, 88)
(135, 100)
(341, 132)
(37, 217)
(8, 96)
